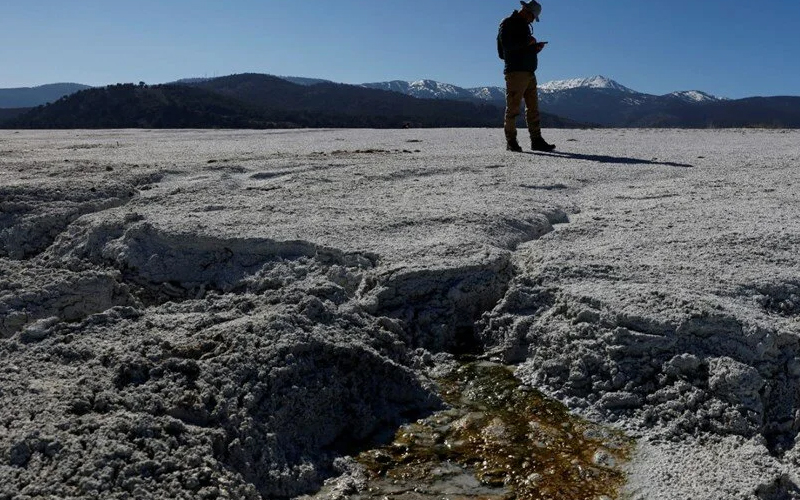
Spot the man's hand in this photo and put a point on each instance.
(540, 46)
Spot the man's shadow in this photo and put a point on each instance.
(610, 159)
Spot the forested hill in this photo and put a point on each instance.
(141, 106)
(256, 101)
(360, 104)
(9, 113)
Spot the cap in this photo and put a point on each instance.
(533, 6)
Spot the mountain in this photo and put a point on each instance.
(26, 97)
(769, 112)
(495, 95)
(430, 89)
(340, 103)
(423, 89)
(141, 106)
(254, 101)
(694, 96)
(299, 80)
(189, 80)
(348, 105)
(603, 101)
(596, 82)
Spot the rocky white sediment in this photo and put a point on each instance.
(204, 314)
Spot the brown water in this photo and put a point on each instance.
(499, 440)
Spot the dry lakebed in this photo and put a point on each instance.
(399, 314)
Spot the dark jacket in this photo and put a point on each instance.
(513, 44)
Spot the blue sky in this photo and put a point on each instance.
(730, 48)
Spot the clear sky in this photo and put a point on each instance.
(730, 48)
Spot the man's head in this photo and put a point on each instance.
(531, 10)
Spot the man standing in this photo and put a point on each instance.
(519, 49)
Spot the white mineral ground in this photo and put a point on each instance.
(202, 314)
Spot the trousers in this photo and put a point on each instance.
(521, 85)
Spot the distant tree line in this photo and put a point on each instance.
(253, 101)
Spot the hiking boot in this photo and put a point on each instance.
(513, 145)
(539, 144)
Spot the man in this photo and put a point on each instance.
(519, 49)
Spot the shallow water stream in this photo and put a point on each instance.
(498, 440)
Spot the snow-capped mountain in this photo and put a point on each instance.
(488, 93)
(596, 99)
(593, 100)
(564, 103)
(695, 96)
(423, 89)
(430, 89)
(603, 101)
(595, 82)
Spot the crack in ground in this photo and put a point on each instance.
(782, 488)
(704, 371)
(262, 354)
(690, 375)
(269, 357)
(32, 217)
